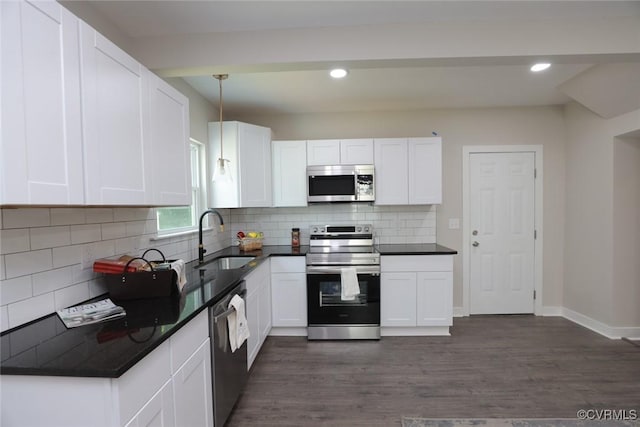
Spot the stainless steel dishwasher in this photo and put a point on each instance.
(229, 369)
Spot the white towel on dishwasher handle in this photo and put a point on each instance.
(237, 321)
(350, 285)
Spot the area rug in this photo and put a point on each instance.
(495, 422)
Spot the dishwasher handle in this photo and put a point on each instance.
(226, 313)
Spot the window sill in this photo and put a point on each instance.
(178, 234)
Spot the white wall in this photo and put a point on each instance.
(488, 126)
(626, 232)
(601, 284)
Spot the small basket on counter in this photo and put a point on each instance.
(136, 277)
(248, 244)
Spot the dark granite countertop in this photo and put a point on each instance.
(108, 349)
(415, 249)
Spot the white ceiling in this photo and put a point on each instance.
(394, 87)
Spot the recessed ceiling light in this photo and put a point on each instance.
(541, 66)
(338, 73)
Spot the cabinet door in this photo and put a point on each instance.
(435, 299)
(255, 165)
(41, 144)
(192, 390)
(289, 299)
(157, 412)
(115, 108)
(323, 152)
(170, 148)
(391, 171)
(356, 152)
(398, 299)
(253, 314)
(425, 170)
(289, 170)
(264, 308)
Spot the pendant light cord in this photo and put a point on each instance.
(220, 78)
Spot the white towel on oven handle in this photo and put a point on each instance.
(237, 322)
(350, 285)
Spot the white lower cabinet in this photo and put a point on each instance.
(171, 386)
(289, 295)
(157, 412)
(416, 294)
(258, 309)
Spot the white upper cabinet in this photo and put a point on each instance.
(408, 171)
(425, 171)
(340, 152)
(248, 149)
(392, 179)
(289, 173)
(170, 148)
(41, 145)
(115, 109)
(323, 152)
(356, 152)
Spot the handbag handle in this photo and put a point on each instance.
(157, 250)
(133, 259)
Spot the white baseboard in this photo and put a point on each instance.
(458, 312)
(288, 332)
(611, 332)
(420, 331)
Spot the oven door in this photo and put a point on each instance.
(325, 305)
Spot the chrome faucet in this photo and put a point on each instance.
(201, 249)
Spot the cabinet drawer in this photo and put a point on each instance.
(288, 264)
(416, 263)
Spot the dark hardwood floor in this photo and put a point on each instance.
(491, 367)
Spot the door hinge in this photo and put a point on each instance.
(534, 294)
(535, 173)
(535, 234)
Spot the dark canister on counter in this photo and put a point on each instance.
(295, 237)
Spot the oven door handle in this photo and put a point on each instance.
(318, 269)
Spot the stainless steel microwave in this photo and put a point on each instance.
(340, 183)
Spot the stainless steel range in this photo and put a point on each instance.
(341, 253)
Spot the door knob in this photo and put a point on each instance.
(474, 232)
(476, 244)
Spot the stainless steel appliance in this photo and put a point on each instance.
(229, 368)
(340, 183)
(332, 249)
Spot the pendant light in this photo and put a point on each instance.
(221, 172)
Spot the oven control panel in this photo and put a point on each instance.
(341, 230)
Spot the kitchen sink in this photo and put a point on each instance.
(227, 262)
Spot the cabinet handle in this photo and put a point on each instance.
(476, 244)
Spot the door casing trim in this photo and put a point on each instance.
(467, 150)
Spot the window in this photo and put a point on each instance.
(179, 219)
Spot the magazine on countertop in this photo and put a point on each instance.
(86, 314)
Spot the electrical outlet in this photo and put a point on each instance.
(87, 257)
(454, 223)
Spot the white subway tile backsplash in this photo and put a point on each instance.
(98, 215)
(4, 319)
(17, 289)
(49, 237)
(23, 263)
(68, 216)
(114, 230)
(67, 255)
(27, 310)
(70, 295)
(133, 214)
(85, 233)
(14, 240)
(23, 218)
(51, 280)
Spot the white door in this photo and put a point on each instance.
(501, 218)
